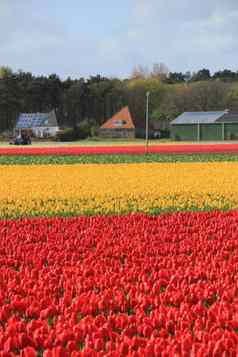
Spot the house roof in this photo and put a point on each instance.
(31, 120)
(198, 117)
(121, 120)
(228, 118)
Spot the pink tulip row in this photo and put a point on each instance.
(133, 285)
(94, 150)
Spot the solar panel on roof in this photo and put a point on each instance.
(26, 120)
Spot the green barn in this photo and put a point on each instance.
(205, 126)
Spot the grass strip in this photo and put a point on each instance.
(113, 159)
(90, 213)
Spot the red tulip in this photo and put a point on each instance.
(28, 352)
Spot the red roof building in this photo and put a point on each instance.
(119, 126)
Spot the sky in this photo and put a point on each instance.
(79, 38)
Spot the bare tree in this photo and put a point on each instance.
(160, 71)
(139, 72)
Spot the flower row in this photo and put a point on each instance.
(139, 149)
(107, 189)
(112, 286)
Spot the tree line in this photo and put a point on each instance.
(95, 99)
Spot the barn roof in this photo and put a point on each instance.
(198, 117)
(31, 120)
(121, 120)
(229, 118)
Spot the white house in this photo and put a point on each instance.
(41, 125)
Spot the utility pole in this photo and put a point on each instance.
(147, 121)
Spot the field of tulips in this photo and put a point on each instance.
(107, 255)
(132, 285)
(49, 190)
(110, 150)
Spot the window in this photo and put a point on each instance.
(119, 122)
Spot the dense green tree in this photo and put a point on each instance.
(226, 75)
(72, 103)
(91, 101)
(202, 75)
(136, 97)
(5, 72)
(175, 77)
(198, 96)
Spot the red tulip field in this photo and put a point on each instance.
(108, 257)
(131, 285)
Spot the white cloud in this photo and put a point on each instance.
(28, 39)
(185, 34)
